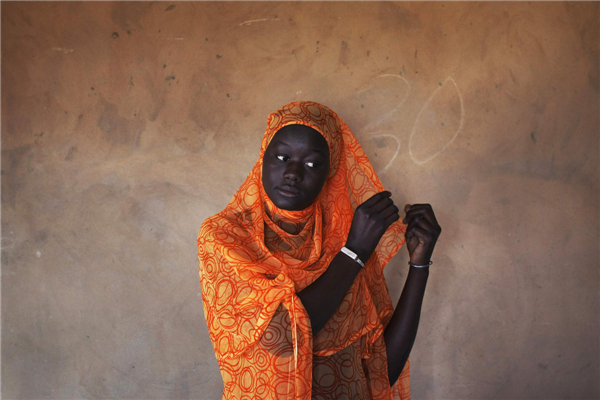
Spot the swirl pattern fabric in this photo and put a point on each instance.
(255, 258)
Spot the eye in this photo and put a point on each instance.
(281, 157)
(311, 164)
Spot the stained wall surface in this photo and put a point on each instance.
(125, 125)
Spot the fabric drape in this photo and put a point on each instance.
(255, 258)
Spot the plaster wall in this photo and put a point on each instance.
(126, 124)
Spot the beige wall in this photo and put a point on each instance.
(115, 149)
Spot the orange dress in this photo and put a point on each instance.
(255, 258)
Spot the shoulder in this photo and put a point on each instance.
(209, 228)
(220, 227)
(209, 242)
(210, 231)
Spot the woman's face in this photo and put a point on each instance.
(295, 167)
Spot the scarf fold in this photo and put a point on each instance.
(272, 254)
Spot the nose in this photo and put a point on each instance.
(293, 172)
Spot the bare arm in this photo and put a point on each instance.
(370, 221)
(421, 236)
(323, 296)
(401, 331)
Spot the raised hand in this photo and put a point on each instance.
(371, 220)
(422, 232)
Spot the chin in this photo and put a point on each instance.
(286, 204)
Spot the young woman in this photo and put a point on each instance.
(292, 269)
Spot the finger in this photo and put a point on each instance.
(390, 219)
(391, 209)
(422, 223)
(422, 209)
(381, 205)
(407, 208)
(420, 233)
(422, 213)
(376, 198)
(406, 211)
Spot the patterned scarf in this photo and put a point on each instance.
(274, 253)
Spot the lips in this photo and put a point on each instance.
(288, 191)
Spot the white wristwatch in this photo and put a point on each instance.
(352, 255)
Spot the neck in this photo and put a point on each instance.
(290, 221)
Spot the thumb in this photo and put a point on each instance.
(406, 208)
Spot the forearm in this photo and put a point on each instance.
(323, 296)
(401, 331)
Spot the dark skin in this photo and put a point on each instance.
(295, 168)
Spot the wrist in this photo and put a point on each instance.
(420, 265)
(360, 252)
(419, 260)
(355, 257)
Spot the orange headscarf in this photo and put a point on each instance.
(251, 268)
